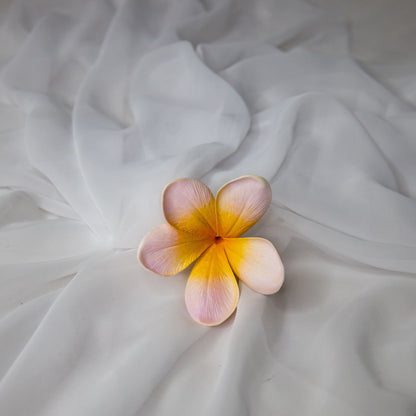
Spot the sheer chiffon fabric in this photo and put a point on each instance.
(102, 104)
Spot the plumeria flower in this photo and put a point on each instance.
(201, 227)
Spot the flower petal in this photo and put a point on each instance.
(256, 262)
(189, 206)
(166, 250)
(240, 204)
(211, 294)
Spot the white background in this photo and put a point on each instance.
(102, 103)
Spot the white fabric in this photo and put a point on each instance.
(104, 102)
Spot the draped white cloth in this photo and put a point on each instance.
(104, 102)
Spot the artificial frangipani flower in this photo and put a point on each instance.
(201, 227)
